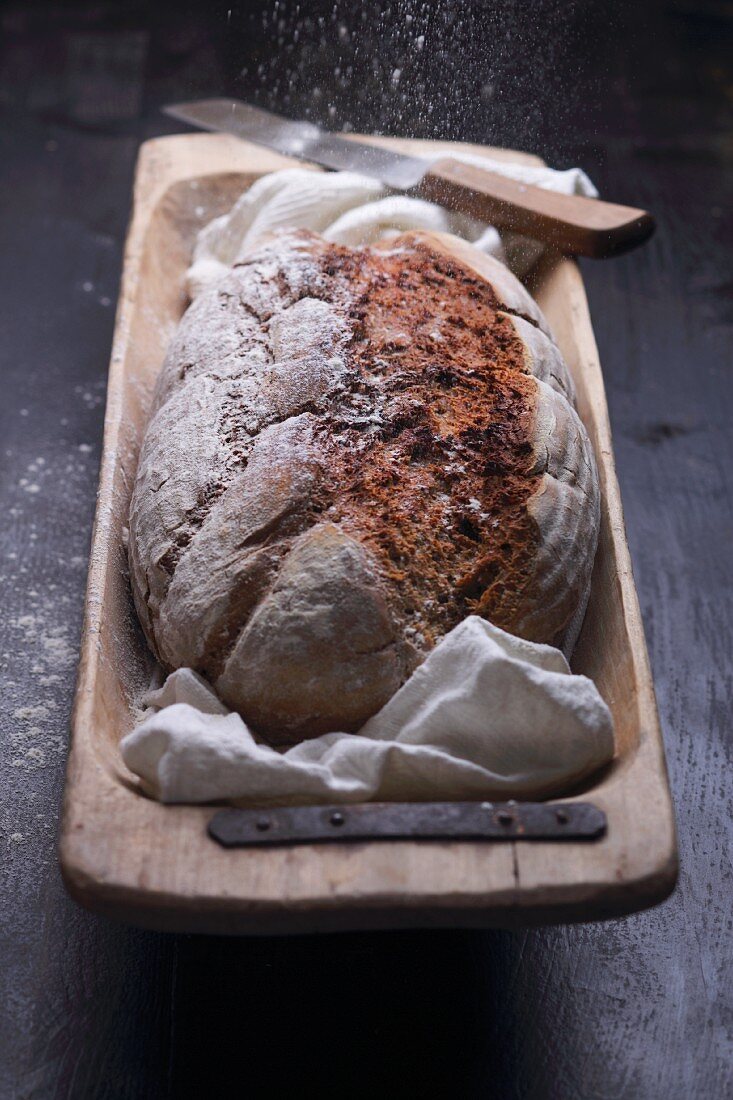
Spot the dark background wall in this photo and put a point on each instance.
(638, 94)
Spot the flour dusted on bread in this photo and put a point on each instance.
(351, 451)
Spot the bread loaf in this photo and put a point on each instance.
(351, 450)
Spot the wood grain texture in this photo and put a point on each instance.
(127, 856)
(569, 223)
(618, 1010)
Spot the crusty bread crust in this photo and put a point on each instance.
(350, 451)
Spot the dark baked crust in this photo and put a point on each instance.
(450, 461)
(347, 457)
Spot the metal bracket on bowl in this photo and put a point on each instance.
(364, 821)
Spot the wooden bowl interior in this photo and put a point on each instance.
(604, 651)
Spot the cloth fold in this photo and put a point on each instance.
(487, 715)
(356, 210)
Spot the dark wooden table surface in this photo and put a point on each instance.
(641, 96)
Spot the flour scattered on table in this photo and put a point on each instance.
(30, 738)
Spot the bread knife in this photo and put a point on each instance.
(572, 224)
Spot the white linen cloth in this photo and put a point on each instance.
(355, 210)
(487, 715)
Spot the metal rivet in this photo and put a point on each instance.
(504, 818)
(337, 819)
(561, 817)
(263, 825)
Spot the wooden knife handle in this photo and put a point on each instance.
(569, 223)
